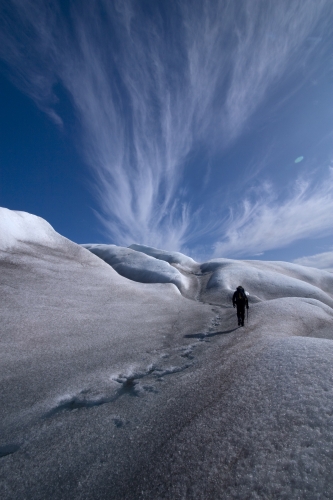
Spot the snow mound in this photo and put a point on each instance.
(137, 266)
(21, 227)
(171, 257)
(267, 280)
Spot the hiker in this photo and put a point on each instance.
(239, 299)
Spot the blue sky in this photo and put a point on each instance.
(202, 126)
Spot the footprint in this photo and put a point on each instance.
(118, 422)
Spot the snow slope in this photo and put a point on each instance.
(17, 228)
(115, 389)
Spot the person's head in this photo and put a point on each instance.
(240, 288)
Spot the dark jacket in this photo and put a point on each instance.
(239, 298)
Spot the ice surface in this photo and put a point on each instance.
(137, 266)
(171, 257)
(266, 280)
(21, 227)
(219, 277)
(115, 389)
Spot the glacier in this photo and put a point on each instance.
(124, 374)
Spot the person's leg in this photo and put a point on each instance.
(239, 314)
(242, 315)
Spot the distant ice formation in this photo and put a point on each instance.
(262, 280)
(267, 280)
(171, 257)
(138, 266)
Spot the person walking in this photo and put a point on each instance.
(239, 299)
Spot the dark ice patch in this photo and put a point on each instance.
(203, 336)
(187, 355)
(8, 449)
(128, 386)
(118, 422)
(75, 403)
(171, 370)
(149, 388)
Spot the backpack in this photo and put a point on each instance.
(240, 294)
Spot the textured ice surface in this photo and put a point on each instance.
(137, 266)
(219, 277)
(267, 280)
(17, 228)
(171, 257)
(114, 389)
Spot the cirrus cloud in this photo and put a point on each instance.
(271, 222)
(322, 260)
(148, 82)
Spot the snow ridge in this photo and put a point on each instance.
(21, 228)
(137, 266)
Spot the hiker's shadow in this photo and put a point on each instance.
(202, 336)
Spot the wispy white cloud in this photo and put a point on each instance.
(147, 86)
(271, 222)
(322, 260)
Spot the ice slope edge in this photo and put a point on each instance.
(212, 281)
